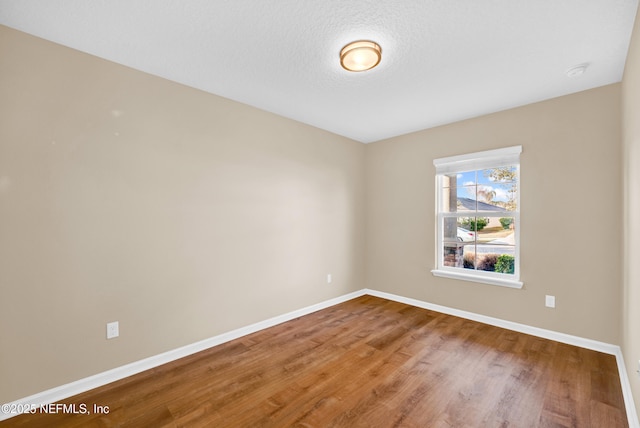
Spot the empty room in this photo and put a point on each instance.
(319, 214)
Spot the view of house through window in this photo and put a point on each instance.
(483, 225)
(478, 214)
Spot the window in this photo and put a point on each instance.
(478, 203)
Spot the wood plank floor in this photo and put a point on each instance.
(368, 362)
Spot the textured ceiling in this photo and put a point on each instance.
(442, 61)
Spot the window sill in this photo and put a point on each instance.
(476, 278)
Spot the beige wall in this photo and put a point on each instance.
(180, 214)
(570, 218)
(631, 137)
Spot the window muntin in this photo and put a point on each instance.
(478, 216)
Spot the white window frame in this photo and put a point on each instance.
(509, 156)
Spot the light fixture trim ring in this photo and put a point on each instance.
(360, 55)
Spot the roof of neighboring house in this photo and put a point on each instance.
(470, 204)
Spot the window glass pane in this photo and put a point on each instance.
(466, 182)
(466, 178)
(496, 230)
(467, 200)
(489, 259)
(503, 174)
(464, 230)
(459, 192)
(497, 189)
(473, 224)
(461, 199)
(497, 197)
(450, 230)
(452, 254)
(495, 249)
(469, 257)
(449, 200)
(466, 240)
(449, 180)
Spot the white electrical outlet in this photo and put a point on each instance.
(113, 330)
(638, 371)
(329, 278)
(550, 301)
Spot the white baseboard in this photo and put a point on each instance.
(606, 348)
(65, 391)
(509, 325)
(70, 389)
(629, 404)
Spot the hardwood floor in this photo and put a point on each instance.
(367, 362)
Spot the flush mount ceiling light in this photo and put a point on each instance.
(577, 70)
(361, 55)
